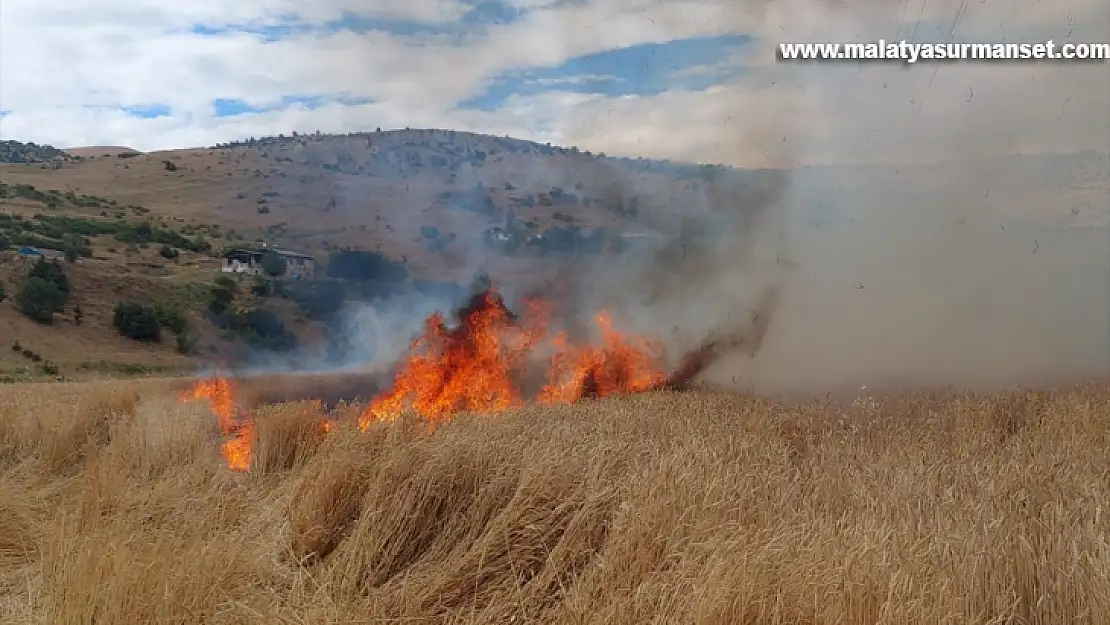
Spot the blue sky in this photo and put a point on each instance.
(692, 63)
(645, 69)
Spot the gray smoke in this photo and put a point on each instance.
(887, 224)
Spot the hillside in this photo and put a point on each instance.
(100, 150)
(442, 206)
(423, 198)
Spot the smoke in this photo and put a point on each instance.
(885, 224)
(935, 224)
(947, 223)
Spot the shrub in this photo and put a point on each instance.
(136, 321)
(273, 264)
(171, 318)
(318, 299)
(225, 282)
(40, 298)
(260, 286)
(52, 272)
(221, 295)
(366, 267)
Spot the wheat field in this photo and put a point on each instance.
(115, 507)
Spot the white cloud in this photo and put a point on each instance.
(58, 58)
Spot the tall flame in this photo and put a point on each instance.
(469, 368)
(478, 365)
(234, 423)
(618, 365)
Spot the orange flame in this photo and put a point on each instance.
(467, 368)
(618, 365)
(477, 366)
(236, 424)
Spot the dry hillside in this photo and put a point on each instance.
(421, 197)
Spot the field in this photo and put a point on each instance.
(116, 507)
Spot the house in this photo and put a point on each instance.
(297, 266)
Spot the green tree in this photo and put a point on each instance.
(39, 299)
(136, 321)
(52, 272)
(273, 264)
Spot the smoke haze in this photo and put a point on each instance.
(892, 225)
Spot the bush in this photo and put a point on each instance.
(51, 272)
(168, 252)
(171, 319)
(39, 299)
(260, 286)
(273, 264)
(264, 322)
(136, 321)
(221, 295)
(318, 299)
(366, 267)
(260, 328)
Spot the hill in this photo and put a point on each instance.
(101, 150)
(440, 203)
(433, 208)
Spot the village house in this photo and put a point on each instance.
(249, 262)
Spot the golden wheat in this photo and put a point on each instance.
(661, 508)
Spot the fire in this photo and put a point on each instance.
(234, 423)
(478, 365)
(471, 367)
(618, 365)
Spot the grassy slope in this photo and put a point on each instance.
(695, 508)
(384, 189)
(378, 191)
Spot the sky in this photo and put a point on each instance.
(694, 81)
